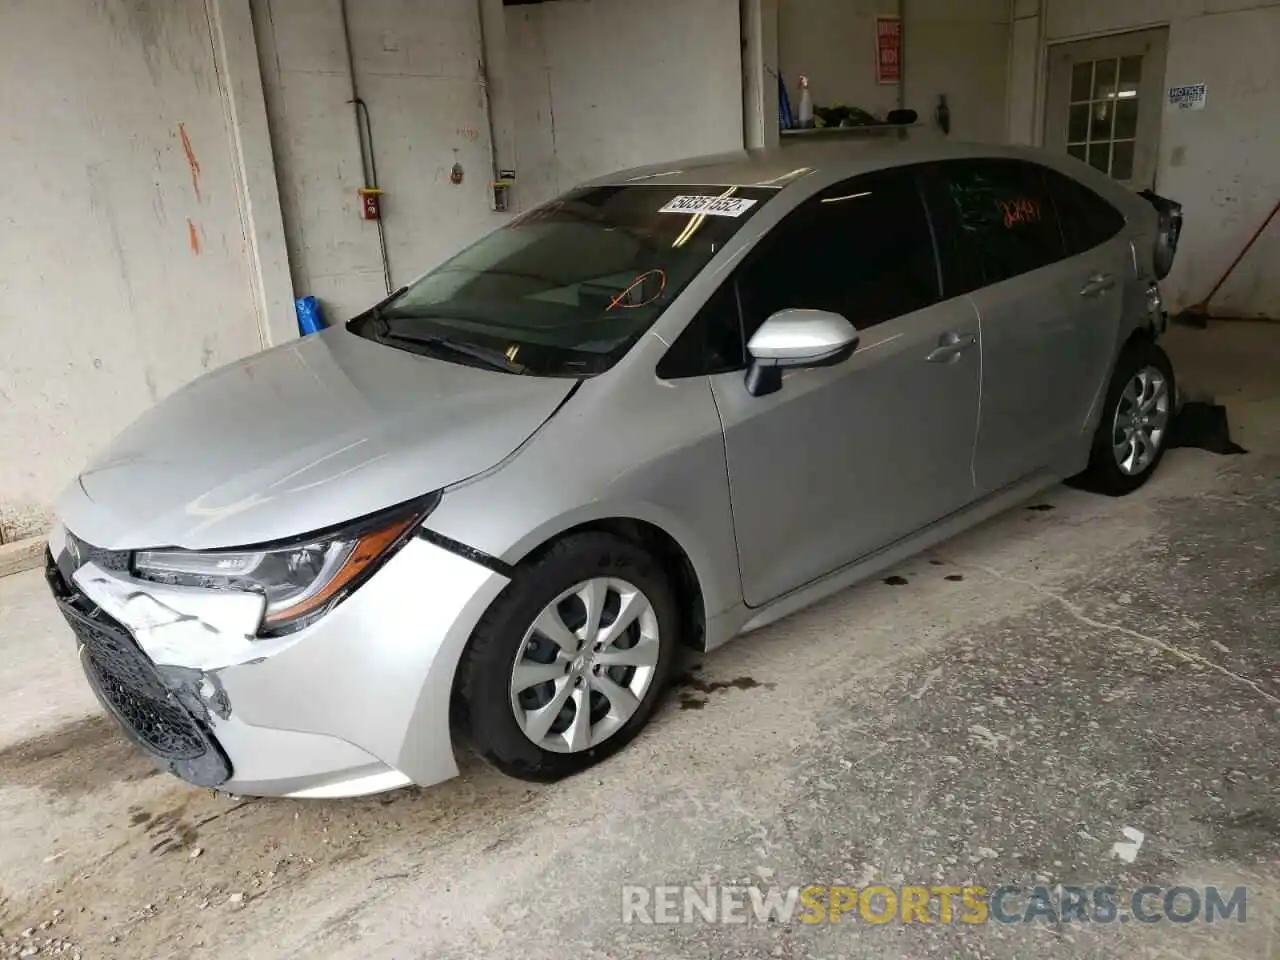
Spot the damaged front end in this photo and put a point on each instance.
(166, 711)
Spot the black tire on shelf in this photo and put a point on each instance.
(484, 675)
(1103, 475)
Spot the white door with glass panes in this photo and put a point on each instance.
(1104, 102)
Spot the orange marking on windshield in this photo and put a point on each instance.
(638, 282)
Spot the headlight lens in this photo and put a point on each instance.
(299, 581)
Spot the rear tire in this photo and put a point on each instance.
(543, 695)
(1136, 417)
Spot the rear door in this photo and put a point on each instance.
(844, 460)
(1043, 315)
(1100, 266)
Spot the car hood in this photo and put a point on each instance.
(301, 437)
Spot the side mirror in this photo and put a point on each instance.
(793, 339)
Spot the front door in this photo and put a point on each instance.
(1104, 102)
(844, 460)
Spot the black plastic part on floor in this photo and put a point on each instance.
(1205, 427)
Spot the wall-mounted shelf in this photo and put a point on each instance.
(871, 129)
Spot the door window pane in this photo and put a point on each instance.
(1100, 156)
(1126, 119)
(1082, 82)
(1100, 122)
(1130, 75)
(1078, 125)
(1087, 220)
(1103, 113)
(1004, 214)
(711, 343)
(1122, 159)
(862, 249)
(1104, 80)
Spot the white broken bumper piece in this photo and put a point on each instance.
(178, 626)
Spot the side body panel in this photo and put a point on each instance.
(630, 446)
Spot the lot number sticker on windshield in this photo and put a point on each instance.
(714, 206)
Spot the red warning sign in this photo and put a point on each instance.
(888, 49)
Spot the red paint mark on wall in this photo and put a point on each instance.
(193, 233)
(192, 162)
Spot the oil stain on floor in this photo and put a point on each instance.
(691, 701)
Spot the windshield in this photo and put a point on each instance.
(567, 288)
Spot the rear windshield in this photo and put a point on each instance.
(567, 288)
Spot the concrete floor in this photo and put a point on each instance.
(1072, 669)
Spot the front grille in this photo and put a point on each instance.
(136, 695)
(130, 684)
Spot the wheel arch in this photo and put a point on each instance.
(666, 549)
(687, 569)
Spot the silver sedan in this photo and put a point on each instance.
(666, 408)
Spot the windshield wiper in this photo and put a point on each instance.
(493, 359)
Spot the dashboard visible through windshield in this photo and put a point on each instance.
(567, 288)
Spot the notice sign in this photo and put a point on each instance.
(1190, 96)
(888, 49)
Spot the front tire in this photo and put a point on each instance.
(569, 663)
(1134, 431)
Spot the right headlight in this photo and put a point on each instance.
(301, 581)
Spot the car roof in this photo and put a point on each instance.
(792, 162)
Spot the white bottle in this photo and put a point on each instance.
(806, 104)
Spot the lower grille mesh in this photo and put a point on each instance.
(134, 692)
(138, 696)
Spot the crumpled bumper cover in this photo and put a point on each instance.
(355, 703)
(158, 708)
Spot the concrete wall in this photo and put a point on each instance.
(955, 47)
(124, 268)
(1221, 163)
(603, 84)
(417, 63)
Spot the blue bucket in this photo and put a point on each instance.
(310, 316)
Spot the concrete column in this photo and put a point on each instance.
(760, 73)
(1024, 114)
(240, 78)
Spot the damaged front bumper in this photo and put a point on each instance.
(355, 703)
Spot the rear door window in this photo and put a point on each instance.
(1003, 222)
(1087, 220)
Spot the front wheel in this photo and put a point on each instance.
(570, 661)
(1132, 435)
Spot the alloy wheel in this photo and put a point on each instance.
(585, 665)
(1141, 421)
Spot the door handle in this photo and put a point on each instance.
(1097, 284)
(950, 346)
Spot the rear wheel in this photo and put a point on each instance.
(570, 661)
(1134, 429)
